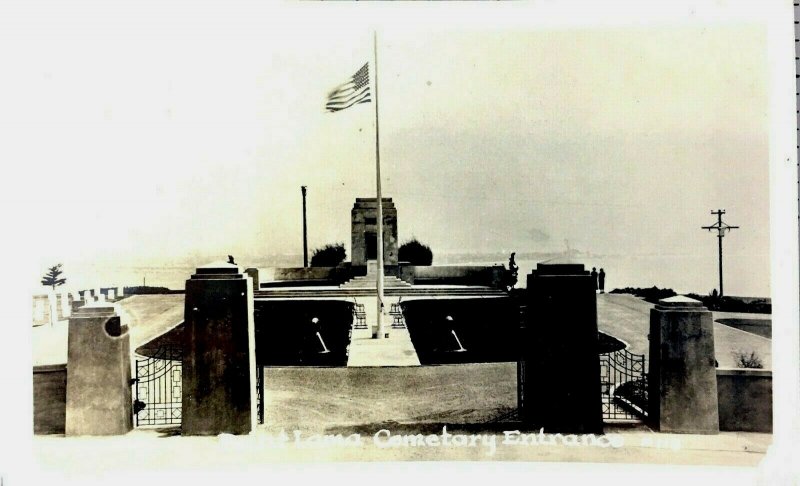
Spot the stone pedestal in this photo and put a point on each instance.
(559, 375)
(219, 394)
(98, 373)
(682, 387)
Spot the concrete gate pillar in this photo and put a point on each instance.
(559, 374)
(98, 373)
(219, 352)
(682, 383)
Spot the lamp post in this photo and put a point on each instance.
(305, 229)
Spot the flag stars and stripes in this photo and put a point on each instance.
(354, 91)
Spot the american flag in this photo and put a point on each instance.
(352, 92)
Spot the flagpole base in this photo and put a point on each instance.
(378, 335)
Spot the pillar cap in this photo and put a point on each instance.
(96, 309)
(218, 270)
(680, 302)
(560, 266)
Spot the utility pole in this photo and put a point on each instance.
(305, 229)
(721, 228)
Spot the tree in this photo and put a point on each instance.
(51, 278)
(328, 255)
(415, 253)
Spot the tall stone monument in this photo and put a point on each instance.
(559, 372)
(682, 388)
(219, 394)
(365, 232)
(98, 373)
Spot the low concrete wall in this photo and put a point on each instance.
(49, 399)
(745, 399)
(491, 276)
(301, 273)
(310, 275)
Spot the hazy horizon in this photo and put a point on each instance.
(618, 140)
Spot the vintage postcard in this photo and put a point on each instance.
(357, 238)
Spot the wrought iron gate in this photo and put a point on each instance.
(158, 387)
(624, 386)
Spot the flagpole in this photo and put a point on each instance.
(380, 333)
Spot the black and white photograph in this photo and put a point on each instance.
(300, 237)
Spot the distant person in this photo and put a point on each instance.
(714, 294)
(513, 272)
(602, 279)
(230, 260)
(594, 278)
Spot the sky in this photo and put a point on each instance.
(160, 144)
(149, 133)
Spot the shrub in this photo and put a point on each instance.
(415, 253)
(634, 391)
(745, 360)
(652, 294)
(734, 304)
(328, 255)
(148, 290)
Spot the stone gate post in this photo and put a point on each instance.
(98, 373)
(682, 381)
(559, 374)
(219, 352)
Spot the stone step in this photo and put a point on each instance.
(370, 281)
(363, 292)
(373, 283)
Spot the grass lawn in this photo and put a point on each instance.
(321, 399)
(762, 327)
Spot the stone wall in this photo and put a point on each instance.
(301, 273)
(490, 276)
(49, 399)
(745, 399)
(304, 276)
(454, 275)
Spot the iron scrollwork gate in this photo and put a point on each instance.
(159, 386)
(624, 386)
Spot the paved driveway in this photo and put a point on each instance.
(628, 318)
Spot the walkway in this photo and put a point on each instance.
(397, 350)
(628, 318)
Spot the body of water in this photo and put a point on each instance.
(747, 276)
